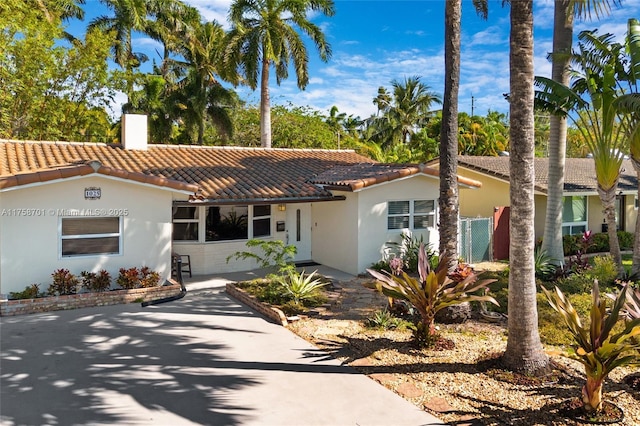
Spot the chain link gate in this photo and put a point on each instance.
(476, 239)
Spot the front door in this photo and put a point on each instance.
(298, 230)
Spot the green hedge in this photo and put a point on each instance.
(599, 242)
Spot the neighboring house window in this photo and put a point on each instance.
(411, 214)
(261, 221)
(574, 215)
(90, 236)
(226, 223)
(185, 223)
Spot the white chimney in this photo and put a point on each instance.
(134, 131)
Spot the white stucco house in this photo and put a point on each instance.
(90, 206)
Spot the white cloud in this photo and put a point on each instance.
(213, 10)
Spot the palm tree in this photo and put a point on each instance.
(524, 350)
(173, 22)
(264, 35)
(129, 16)
(409, 109)
(628, 104)
(590, 102)
(383, 100)
(199, 94)
(448, 199)
(564, 13)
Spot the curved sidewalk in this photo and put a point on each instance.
(204, 359)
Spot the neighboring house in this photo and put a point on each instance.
(582, 206)
(89, 206)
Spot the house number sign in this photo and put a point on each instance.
(92, 193)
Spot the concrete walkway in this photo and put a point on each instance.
(204, 359)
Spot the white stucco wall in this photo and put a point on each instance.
(351, 235)
(210, 257)
(334, 233)
(30, 244)
(373, 232)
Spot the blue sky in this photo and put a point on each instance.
(375, 42)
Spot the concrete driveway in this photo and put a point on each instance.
(204, 359)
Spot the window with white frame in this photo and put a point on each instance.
(261, 221)
(86, 236)
(574, 215)
(185, 223)
(226, 223)
(411, 214)
(221, 223)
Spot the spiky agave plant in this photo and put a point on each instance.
(432, 291)
(301, 287)
(598, 349)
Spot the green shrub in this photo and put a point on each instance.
(600, 243)
(626, 240)
(576, 283)
(381, 265)
(64, 283)
(384, 320)
(265, 290)
(604, 270)
(275, 254)
(544, 266)
(570, 244)
(292, 308)
(30, 292)
(552, 331)
(96, 282)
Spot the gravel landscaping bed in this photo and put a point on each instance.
(460, 385)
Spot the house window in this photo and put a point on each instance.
(90, 236)
(261, 221)
(574, 215)
(411, 214)
(185, 223)
(226, 223)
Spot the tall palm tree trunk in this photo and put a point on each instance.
(635, 263)
(524, 351)
(265, 106)
(562, 40)
(608, 198)
(448, 200)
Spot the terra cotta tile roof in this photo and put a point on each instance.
(221, 173)
(580, 175)
(358, 176)
(54, 173)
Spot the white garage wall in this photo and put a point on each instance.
(30, 244)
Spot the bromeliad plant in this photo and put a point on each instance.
(432, 291)
(299, 286)
(598, 348)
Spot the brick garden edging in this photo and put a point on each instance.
(85, 300)
(273, 314)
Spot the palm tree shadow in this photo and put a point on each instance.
(360, 352)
